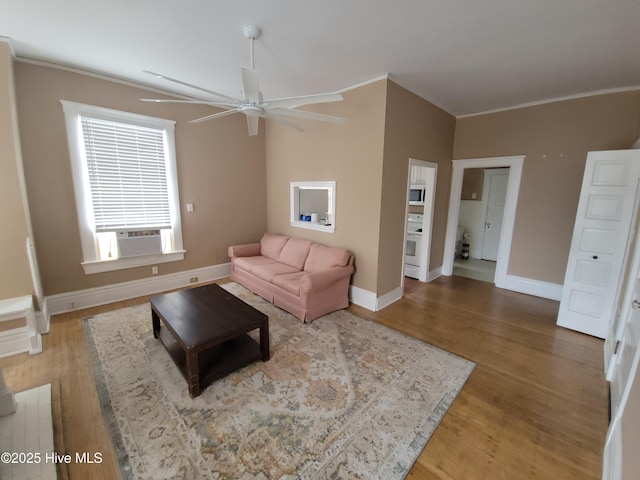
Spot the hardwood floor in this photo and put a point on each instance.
(534, 407)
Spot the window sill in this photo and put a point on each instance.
(313, 226)
(131, 262)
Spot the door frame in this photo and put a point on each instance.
(427, 218)
(515, 164)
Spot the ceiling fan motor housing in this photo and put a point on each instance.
(252, 110)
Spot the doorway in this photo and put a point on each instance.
(506, 230)
(479, 223)
(422, 176)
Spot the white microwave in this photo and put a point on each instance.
(416, 194)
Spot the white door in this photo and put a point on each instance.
(620, 459)
(600, 241)
(624, 300)
(497, 181)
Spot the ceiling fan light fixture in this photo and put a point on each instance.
(251, 31)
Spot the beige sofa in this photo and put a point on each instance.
(305, 278)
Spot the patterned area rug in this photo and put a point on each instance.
(341, 397)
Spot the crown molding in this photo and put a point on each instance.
(364, 83)
(101, 76)
(553, 100)
(8, 41)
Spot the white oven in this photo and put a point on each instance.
(413, 248)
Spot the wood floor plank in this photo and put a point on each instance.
(535, 407)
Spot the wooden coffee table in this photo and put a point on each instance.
(206, 333)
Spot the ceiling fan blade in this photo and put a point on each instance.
(279, 119)
(215, 115)
(250, 83)
(252, 125)
(293, 102)
(180, 82)
(308, 115)
(196, 102)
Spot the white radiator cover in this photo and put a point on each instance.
(136, 243)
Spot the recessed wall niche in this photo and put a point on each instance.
(313, 205)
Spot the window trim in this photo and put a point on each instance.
(91, 263)
(294, 188)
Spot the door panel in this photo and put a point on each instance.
(600, 241)
(620, 457)
(605, 207)
(497, 193)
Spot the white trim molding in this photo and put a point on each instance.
(363, 298)
(537, 288)
(66, 302)
(370, 301)
(515, 165)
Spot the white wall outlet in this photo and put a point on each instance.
(154, 270)
(189, 207)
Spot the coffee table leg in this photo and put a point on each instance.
(193, 373)
(264, 341)
(155, 321)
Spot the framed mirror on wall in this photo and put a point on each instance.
(313, 205)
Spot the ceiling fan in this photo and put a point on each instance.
(253, 105)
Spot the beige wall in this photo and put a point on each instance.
(555, 138)
(221, 170)
(350, 154)
(368, 156)
(414, 128)
(15, 274)
(472, 182)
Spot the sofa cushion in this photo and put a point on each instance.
(247, 263)
(322, 258)
(295, 252)
(271, 245)
(289, 282)
(269, 270)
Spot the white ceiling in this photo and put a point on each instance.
(466, 56)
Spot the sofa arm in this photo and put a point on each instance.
(319, 281)
(246, 250)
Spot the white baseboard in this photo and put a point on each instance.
(433, 274)
(66, 302)
(363, 298)
(537, 288)
(371, 301)
(389, 297)
(14, 341)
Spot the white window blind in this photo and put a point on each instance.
(127, 175)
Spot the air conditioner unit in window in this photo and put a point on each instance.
(135, 243)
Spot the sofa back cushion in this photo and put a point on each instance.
(323, 258)
(272, 244)
(295, 252)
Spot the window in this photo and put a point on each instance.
(313, 205)
(125, 180)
